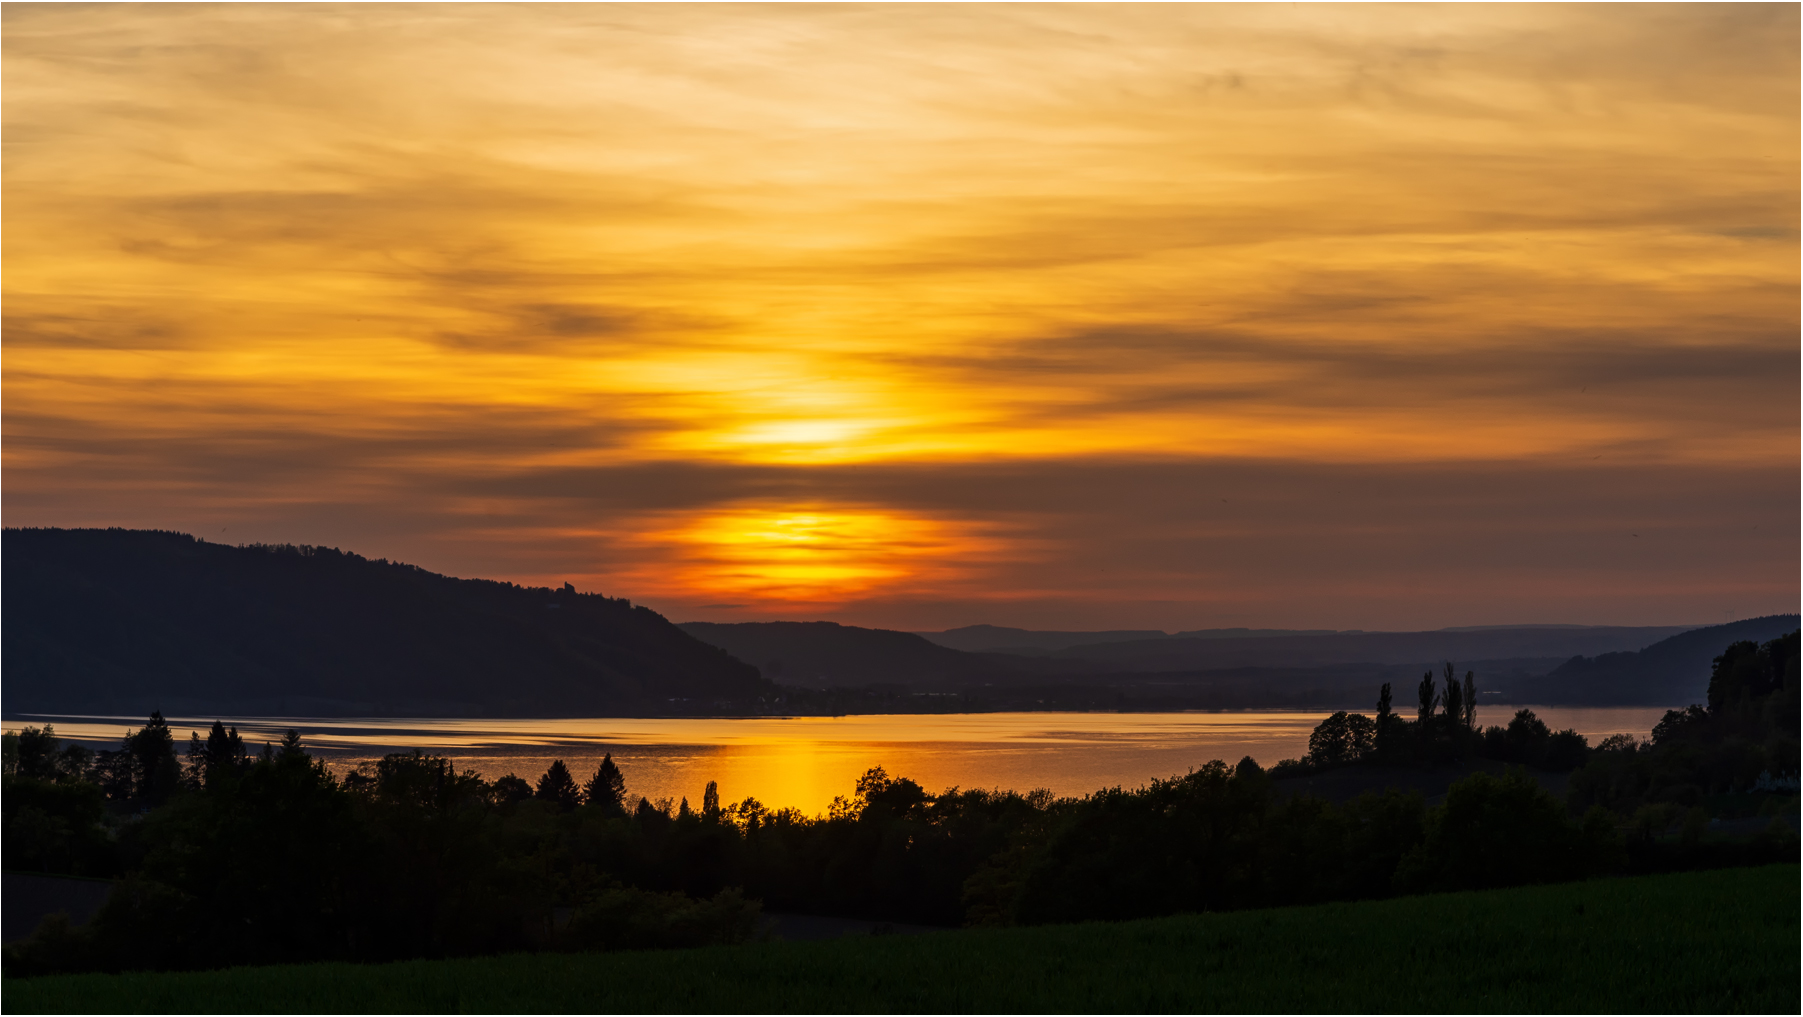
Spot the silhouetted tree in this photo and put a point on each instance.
(1470, 698)
(1342, 738)
(710, 801)
(152, 749)
(31, 752)
(222, 755)
(1424, 713)
(1746, 671)
(558, 786)
(510, 789)
(1387, 737)
(1453, 699)
(607, 788)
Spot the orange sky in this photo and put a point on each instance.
(1160, 316)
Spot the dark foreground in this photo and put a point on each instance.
(1721, 941)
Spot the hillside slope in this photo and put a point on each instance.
(826, 655)
(127, 621)
(1310, 649)
(1671, 671)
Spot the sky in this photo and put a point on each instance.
(1064, 316)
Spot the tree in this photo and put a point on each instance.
(1340, 739)
(607, 788)
(1425, 691)
(31, 752)
(1746, 671)
(152, 749)
(1384, 738)
(222, 754)
(1526, 738)
(1453, 699)
(558, 787)
(510, 789)
(1470, 698)
(710, 801)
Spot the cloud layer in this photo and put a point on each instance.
(791, 307)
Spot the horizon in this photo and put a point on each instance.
(1063, 318)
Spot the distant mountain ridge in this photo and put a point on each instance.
(1188, 653)
(1225, 669)
(998, 639)
(1111, 645)
(127, 621)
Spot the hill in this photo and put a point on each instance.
(1188, 652)
(829, 655)
(1210, 669)
(1670, 672)
(127, 621)
(999, 639)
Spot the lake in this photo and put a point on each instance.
(804, 761)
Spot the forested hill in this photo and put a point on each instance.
(1674, 670)
(823, 654)
(127, 621)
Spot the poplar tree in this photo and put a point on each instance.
(1425, 711)
(1471, 700)
(1452, 699)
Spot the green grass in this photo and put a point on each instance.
(1721, 941)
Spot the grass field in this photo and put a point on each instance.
(1722, 941)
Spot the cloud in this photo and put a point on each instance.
(524, 290)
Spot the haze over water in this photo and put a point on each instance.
(802, 762)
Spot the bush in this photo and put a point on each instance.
(1496, 831)
(622, 918)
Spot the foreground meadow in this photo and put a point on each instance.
(1719, 941)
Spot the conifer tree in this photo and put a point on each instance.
(607, 788)
(558, 786)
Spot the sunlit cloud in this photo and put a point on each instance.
(811, 555)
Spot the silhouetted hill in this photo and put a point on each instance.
(828, 655)
(1191, 653)
(127, 621)
(1035, 642)
(1673, 671)
(999, 639)
(1226, 669)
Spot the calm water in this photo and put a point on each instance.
(805, 761)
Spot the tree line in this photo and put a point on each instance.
(229, 856)
(1444, 730)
